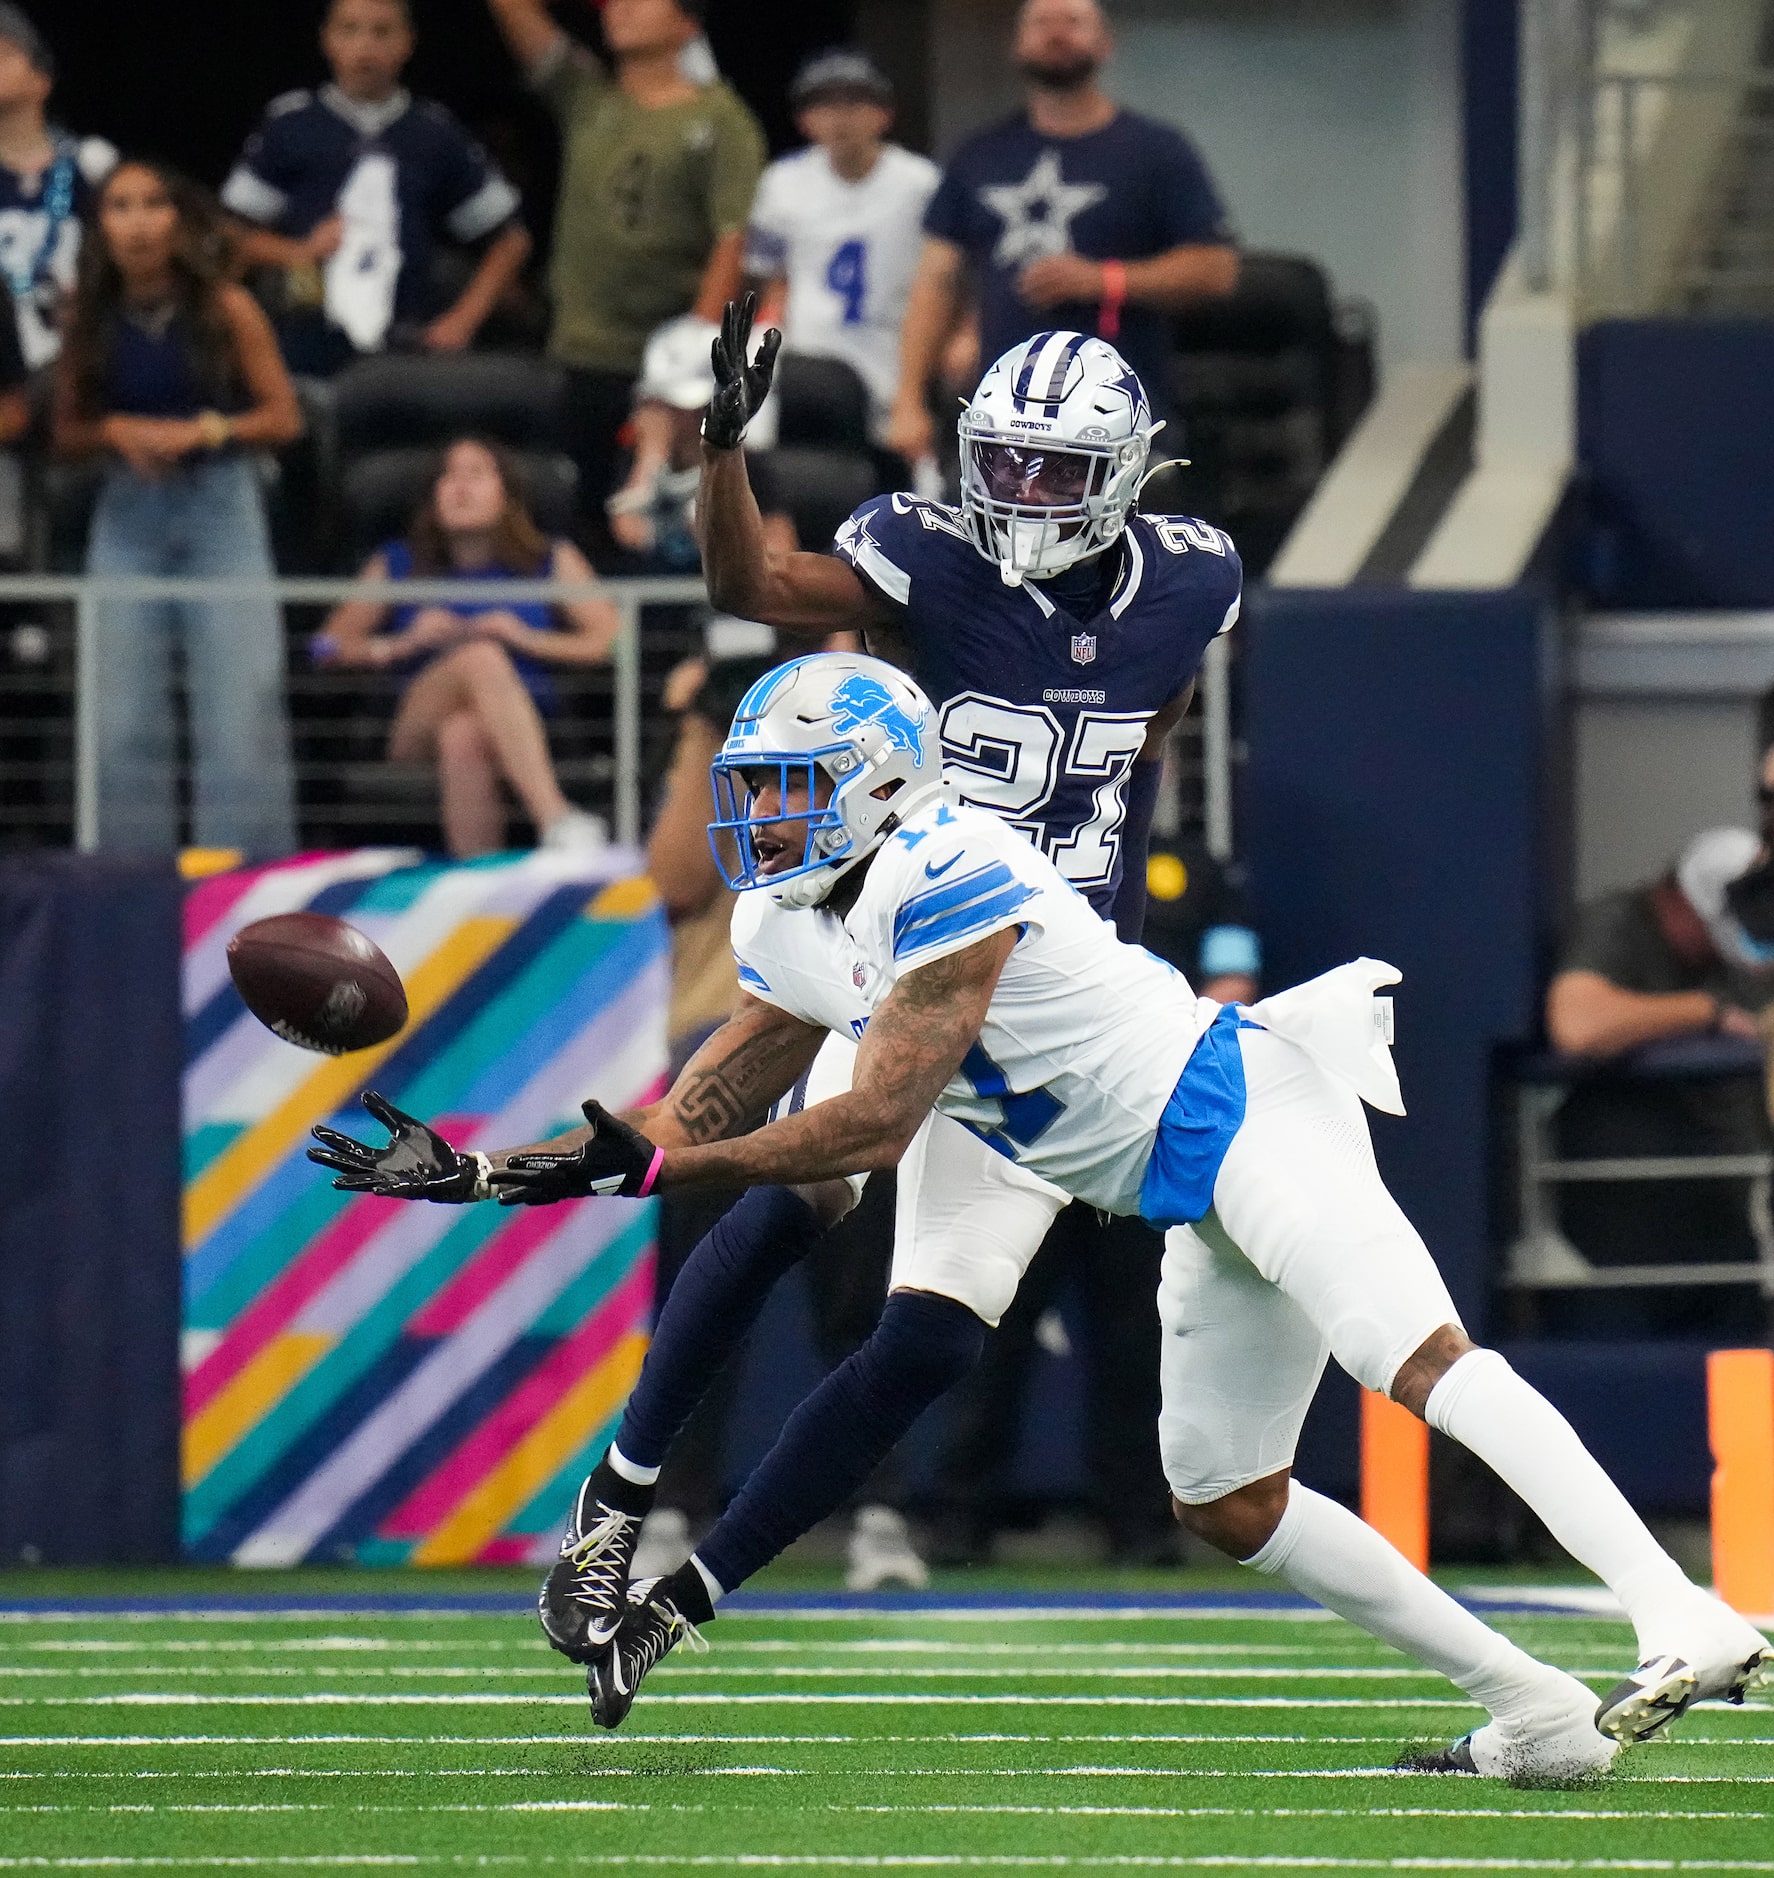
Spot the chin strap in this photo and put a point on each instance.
(1170, 462)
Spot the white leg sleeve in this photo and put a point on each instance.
(1300, 1196)
(1485, 1406)
(1330, 1556)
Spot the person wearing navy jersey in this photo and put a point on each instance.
(1058, 633)
(350, 190)
(1074, 213)
(170, 377)
(47, 179)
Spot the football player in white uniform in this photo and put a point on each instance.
(874, 905)
(840, 224)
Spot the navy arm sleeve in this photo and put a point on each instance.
(1128, 914)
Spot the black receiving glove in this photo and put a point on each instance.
(417, 1164)
(739, 388)
(616, 1160)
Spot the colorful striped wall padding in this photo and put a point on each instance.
(389, 1383)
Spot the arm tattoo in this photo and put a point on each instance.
(714, 1101)
(917, 1039)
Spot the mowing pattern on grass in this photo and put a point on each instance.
(1211, 1737)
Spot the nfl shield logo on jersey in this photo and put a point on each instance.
(1083, 648)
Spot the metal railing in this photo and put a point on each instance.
(1621, 165)
(67, 690)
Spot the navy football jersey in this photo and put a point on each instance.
(1043, 712)
(289, 176)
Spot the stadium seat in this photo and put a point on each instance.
(408, 400)
(1269, 381)
(821, 404)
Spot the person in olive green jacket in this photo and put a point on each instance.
(658, 171)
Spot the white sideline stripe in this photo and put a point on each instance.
(894, 1861)
(872, 1646)
(944, 1773)
(768, 1614)
(1193, 1672)
(1038, 1812)
(732, 1698)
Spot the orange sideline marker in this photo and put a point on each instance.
(1395, 1476)
(1740, 1418)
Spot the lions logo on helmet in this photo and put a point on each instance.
(1053, 451)
(851, 729)
(864, 700)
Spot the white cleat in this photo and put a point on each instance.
(1556, 1744)
(1714, 1656)
(881, 1552)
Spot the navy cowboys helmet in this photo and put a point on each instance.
(857, 724)
(1053, 451)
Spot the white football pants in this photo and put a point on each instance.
(1305, 1254)
(968, 1219)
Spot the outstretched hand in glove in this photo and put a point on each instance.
(740, 388)
(417, 1164)
(616, 1160)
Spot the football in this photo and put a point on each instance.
(317, 982)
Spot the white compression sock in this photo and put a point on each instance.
(1485, 1406)
(1330, 1556)
(631, 1470)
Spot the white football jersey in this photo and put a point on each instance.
(1084, 1039)
(848, 252)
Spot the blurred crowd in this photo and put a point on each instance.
(357, 303)
(359, 319)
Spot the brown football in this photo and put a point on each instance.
(317, 982)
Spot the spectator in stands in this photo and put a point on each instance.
(835, 230)
(847, 1271)
(1671, 959)
(1196, 920)
(349, 190)
(46, 182)
(658, 175)
(476, 675)
(654, 512)
(171, 374)
(1074, 213)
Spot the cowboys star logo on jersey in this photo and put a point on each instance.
(1037, 213)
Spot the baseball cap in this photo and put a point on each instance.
(839, 69)
(17, 25)
(1709, 865)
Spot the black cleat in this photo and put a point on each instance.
(651, 1627)
(1456, 1758)
(581, 1604)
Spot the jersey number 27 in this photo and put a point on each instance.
(1015, 758)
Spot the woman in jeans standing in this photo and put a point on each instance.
(173, 375)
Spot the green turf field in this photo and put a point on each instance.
(1214, 1737)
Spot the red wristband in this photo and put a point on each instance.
(646, 1186)
(1108, 319)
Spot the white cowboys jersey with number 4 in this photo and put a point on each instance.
(1045, 689)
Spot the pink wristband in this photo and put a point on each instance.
(646, 1186)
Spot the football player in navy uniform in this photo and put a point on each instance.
(1059, 632)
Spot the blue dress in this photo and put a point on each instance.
(537, 677)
